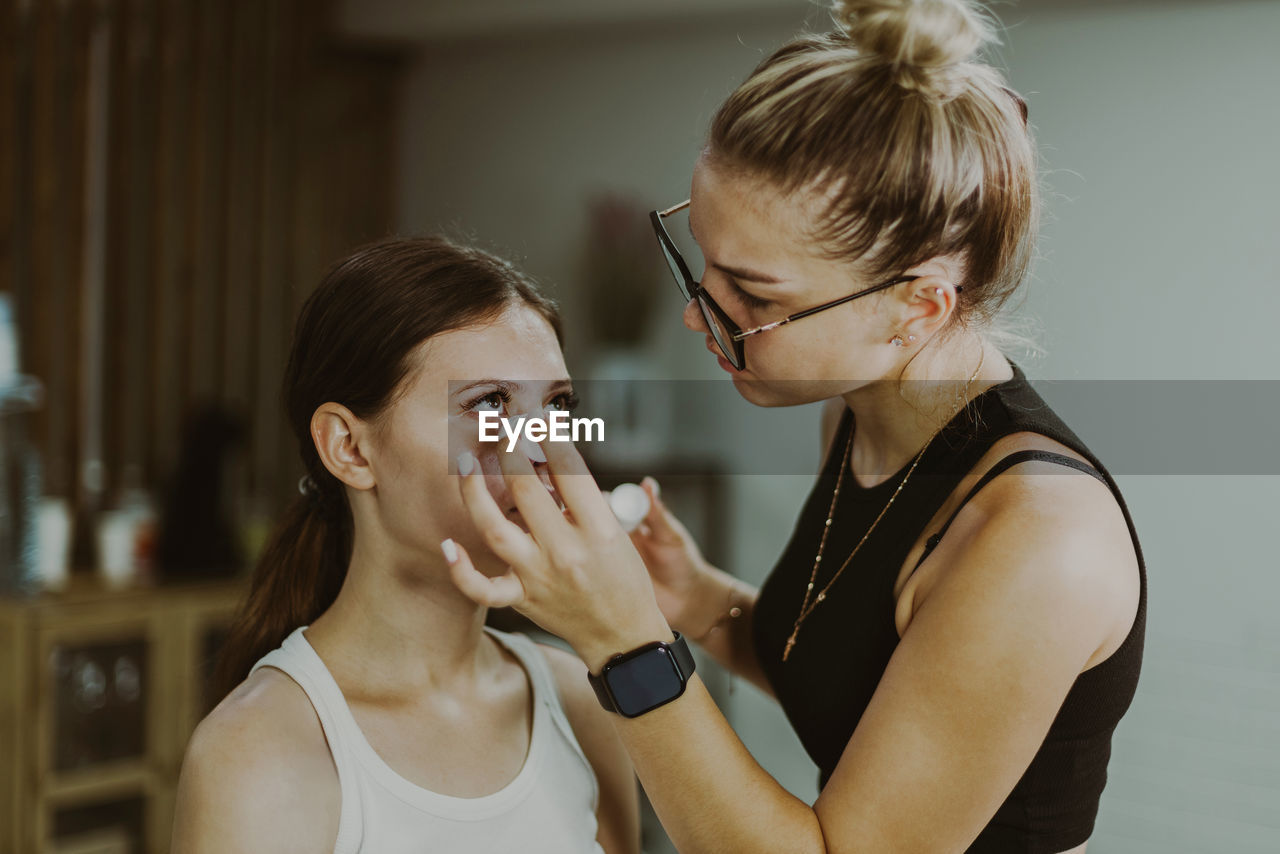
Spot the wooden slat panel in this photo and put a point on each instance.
(132, 323)
(92, 78)
(16, 193)
(233, 125)
(9, 47)
(207, 226)
(118, 314)
(72, 151)
(244, 182)
(57, 168)
(273, 448)
(45, 346)
(170, 247)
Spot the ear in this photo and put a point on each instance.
(929, 302)
(338, 435)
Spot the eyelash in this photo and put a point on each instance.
(569, 400)
(749, 300)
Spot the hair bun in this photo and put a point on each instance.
(920, 38)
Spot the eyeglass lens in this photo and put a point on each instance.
(677, 226)
(722, 335)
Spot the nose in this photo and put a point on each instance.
(693, 319)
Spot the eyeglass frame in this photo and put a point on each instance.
(693, 290)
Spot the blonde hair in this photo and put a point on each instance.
(918, 150)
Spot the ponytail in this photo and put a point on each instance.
(296, 579)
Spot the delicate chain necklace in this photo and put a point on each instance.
(807, 608)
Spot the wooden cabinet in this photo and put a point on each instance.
(99, 692)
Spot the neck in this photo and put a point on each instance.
(402, 628)
(895, 420)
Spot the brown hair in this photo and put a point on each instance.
(920, 151)
(352, 345)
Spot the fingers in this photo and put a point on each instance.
(498, 592)
(650, 486)
(503, 537)
(578, 488)
(540, 511)
(660, 521)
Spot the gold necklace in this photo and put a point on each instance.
(806, 609)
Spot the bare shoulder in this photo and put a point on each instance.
(1076, 504)
(258, 774)
(1053, 532)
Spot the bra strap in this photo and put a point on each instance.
(1000, 466)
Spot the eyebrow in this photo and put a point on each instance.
(512, 385)
(743, 273)
(748, 275)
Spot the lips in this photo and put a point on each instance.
(720, 359)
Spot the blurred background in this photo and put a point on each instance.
(176, 175)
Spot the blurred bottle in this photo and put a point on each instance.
(20, 477)
(127, 535)
(53, 544)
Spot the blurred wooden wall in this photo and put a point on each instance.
(175, 177)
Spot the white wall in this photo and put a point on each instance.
(1160, 127)
(1159, 124)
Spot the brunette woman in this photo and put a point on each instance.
(370, 708)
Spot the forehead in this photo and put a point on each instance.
(749, 216)
(518, 344)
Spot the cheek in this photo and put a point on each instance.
(797, 356)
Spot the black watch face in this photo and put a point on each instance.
(644, 682)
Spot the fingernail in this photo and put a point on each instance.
(466, 463)
(653, 484)
(533, 451)
(450, 549)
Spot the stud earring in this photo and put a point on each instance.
(897, 341)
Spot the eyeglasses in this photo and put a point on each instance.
(727, 334)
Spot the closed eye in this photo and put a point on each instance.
(748, 299)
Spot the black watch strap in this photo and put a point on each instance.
(602, 693)
(680, 654)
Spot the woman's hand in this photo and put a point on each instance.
(675, 564)
(576, 573)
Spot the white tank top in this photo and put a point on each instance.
(549, 807)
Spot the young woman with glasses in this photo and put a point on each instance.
(956, 625)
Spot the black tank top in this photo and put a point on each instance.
(1053, 806)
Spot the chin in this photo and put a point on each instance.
(774, 393)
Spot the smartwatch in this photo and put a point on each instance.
(635, 682)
